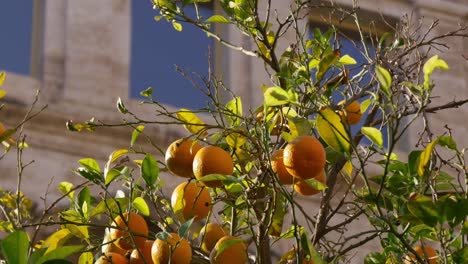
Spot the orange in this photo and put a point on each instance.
(108, 246)
(210, 235)
(212, 160)
(112, 258)
(179, 157)
(191, 199)
(302, 187)
(352, 113)
(176, 248)
(277, 165)
(425, 252)
(235, 253)
(304, 157)
(133, 223)
(136, 258)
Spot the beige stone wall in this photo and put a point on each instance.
(85, 68)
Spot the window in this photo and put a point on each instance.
(155, 50)
(15, 43)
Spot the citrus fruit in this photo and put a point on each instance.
(212, 160)
(352, 113)
(112, 258)
(304, 157)
(302, 187)
(229, 250)
(278, 167)
(191, 199)
(179, 157)
(425, 252)
(131, 223)
(108, 246)
(176, 248)
(137, 258)
(210, 235)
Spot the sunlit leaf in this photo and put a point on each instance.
(425, 157)
(136, 132)
(2, 93)
(235, 140)
(65, 188)
(275, 96)
(141, 205)
(332, 130)
(60, 253)
(384, 78)
(57, 239)
(299, 126)
(235, 111)
(448, 142)
(433, 63)
(86, 258)
(2, 77)
(217, 19)
(177, 26)
(192, 122)
(347, 60)
(90, 164)
(149, 170)
(326, 63)
(373, 134)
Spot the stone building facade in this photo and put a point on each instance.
(83, 67)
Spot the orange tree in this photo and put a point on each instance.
(324, 120)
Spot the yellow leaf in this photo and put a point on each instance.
(56, 240)
(2, 93)
(425, 157)
(192, 122)
(332, 130)
(2, 77)
(235, 140)
(347, 169)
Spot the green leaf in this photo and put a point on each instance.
(86, 258)
(141, 205)
(149, 170)
(36, 255)
(235, 111)
(373, 134)
(15, 247)
(326, 63)
(56, 240)
(2, 77)
(192, 122)
(425, 157)
(385, 80)
(90, 164)
(60, 253)
(375, 258)
(299, 126)
(111, 175)
(235, 140)
(121, 107)
(136, 132)
(347, 60)
(448, 142)
(433, 63)
(332, 130)
(58, 261)
(217, 19)
(424, 209)
(275, 96)
(278, 216)
(177, 26)
(88, 174)
(65, 188)
(227, 244)
(148, 91)
(317, 185)
(185, 228)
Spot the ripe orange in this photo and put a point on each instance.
(302, 187)
(352, 113)
(211, 160)
(133, 223)
(179, 157)
(176, 248)
(108, 246)
(112, 258)
(136, 258)
(425, 252)
(278, 167)
(210, 235)
(235, 253)
(194, 198)
(304, 157)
